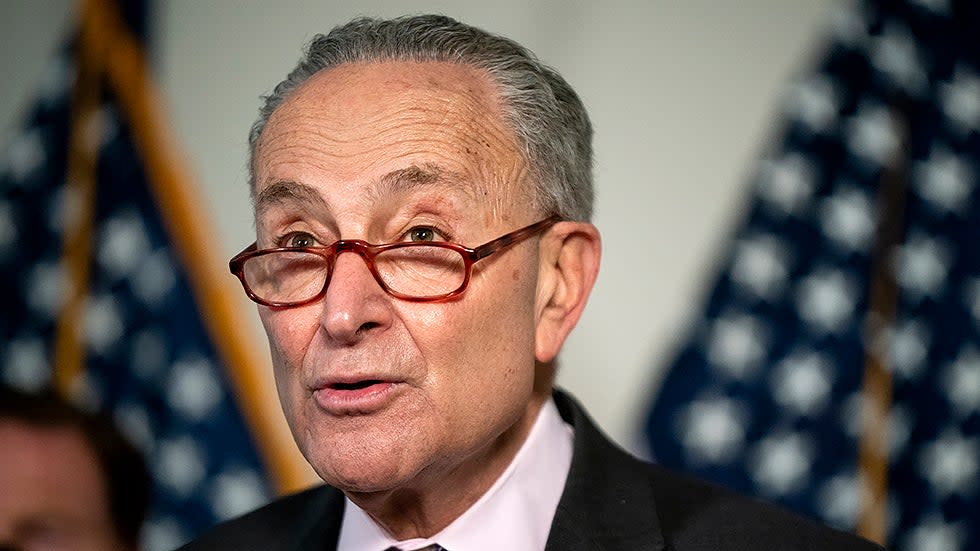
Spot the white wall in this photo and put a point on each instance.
(681, 93)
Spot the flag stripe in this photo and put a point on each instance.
(189, 228)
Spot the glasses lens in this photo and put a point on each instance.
(286, 276)
(421, 271)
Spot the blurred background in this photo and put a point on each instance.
(693, 105)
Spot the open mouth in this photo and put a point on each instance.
(356, 385)
(355, 397)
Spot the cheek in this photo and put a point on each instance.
(488, 338)
(289, 332)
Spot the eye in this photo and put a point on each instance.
(297, 239)
(422, 233)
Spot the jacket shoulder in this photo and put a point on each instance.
(698, 515)
(619, 501)
(277, 525)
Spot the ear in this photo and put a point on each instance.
(569, 257)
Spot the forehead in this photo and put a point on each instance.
(359, 127)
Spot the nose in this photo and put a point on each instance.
(354, 305)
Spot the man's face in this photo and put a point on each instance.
(382, 393)
(52, 494)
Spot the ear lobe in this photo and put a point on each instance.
(570, 254)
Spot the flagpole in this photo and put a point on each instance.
(185, 221)
(79, 207)
(876, 391)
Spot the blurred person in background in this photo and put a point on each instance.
(69, 480)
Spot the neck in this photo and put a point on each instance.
(442, 494)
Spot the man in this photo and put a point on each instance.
(68, 479)
(415, 373)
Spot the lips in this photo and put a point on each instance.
(354, 396)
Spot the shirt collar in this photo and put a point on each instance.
(515, 513)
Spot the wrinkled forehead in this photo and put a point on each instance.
(368, 126)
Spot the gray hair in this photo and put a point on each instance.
(545, 114)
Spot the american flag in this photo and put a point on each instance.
(103, 295)
(836, 365)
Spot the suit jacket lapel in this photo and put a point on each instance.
(608, 501)
(319, 529)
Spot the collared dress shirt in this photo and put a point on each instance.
(514, 514)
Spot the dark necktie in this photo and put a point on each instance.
(433, 547)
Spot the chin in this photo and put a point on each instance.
(364, 475)
(359, 459)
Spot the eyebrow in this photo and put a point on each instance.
(392, 183)
(421, 176)
(287, 192)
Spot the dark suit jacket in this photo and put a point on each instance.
(611, 501)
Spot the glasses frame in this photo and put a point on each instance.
(368, 252)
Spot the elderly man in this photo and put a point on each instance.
(422, 201)
(69, 480)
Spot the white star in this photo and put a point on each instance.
(922, 264)
(64, 208)
(26, 365)
(58, 77)
(737, 345)
(847, 219)
(103, 323)
(99, 127)
(46, 288)
(25, 154)
(825, 300)
(148, 353)
(193, 389)
(961, 382)
(838, 499)
(712, 430)
(236, 492)
(760, 265)
(934, 534)
(871, 134)
(162, 534)
(848, 25)
(123, 245)
(802, 382)
(945, 181)
(134, 422)
(908, 347)
(898, 422)
(786, 184)
(155, 278)
(960, 100)
(951, 464)
(780, 463)
(180, 465)
(813, 102)
(895, 54)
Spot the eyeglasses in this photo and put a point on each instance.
(414, 271)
